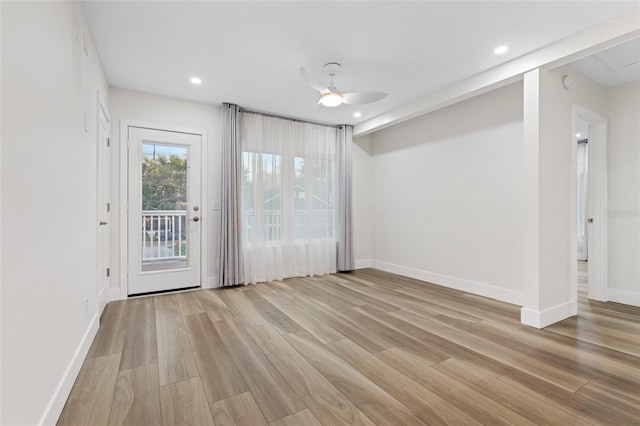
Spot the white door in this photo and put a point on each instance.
(103, 208)
(597, 222)
(164, 228)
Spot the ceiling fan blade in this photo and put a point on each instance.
(359, 98)
(308, 78)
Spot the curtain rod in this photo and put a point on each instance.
(289, 118)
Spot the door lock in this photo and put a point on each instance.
(195, 219)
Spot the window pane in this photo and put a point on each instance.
(164, 204)
(300, 200)
(322, 205)
(261, 192)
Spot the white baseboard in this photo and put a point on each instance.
(482, 289)
(54, 409)
(363, 263)
(541, 319)
(624, 296)
(115, 293)
(211, 282)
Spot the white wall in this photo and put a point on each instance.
(0, 219)
(140, 107)
(48, 205)
(623, 112)
(363, 202)
(447, 202)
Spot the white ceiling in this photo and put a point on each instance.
(617, 65)
(249, 53)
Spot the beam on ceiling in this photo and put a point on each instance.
(609, 33)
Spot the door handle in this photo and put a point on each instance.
(102, 223)
(195, 219)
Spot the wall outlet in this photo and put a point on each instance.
(362, 250)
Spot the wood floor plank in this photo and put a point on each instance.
(271, 314)
(242, 309)
(395, 339)
(420, 303)
(475, 404)
(272, 393)
(184, 403)
(595, 412)
(340, 290)
(351, 330)
(511, 357)
(590, 363)
(304, 417)
(111, 336)
(374, 402)
(218, 373)
(189, 302)
(175, 357)
(427, 405)
(565, 367)
(239, 410)
(569, 327)
(366, 347)
(323, 399)
(626, 405)
(320, 295)
(213, 305)
(317, 328)
(517, 401)
(90, 400)
(140, 337)
(136, 400)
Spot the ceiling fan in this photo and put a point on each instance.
(331, 96)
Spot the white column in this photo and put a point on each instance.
(530, 313)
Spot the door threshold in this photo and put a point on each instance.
(155, 293)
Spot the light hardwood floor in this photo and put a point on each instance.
(364, 348)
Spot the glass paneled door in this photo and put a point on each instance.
(164, 217)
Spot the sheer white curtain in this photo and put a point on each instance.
(288, 198)
(583, 162)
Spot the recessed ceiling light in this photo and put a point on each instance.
(357, 114)
(578, 135)
(500, 50)
(196, 81)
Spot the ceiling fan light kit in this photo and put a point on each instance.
(331, 97)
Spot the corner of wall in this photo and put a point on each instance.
(363, 263)
(54, 409)
(212, 282)
(626, 297)
(544, 318)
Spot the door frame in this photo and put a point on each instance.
(124, 191)
(597, 206)
(103, 296)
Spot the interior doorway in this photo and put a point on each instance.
(103, 206)
(590, 130)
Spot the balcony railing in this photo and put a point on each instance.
(315, 225)
(164, 236)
